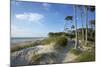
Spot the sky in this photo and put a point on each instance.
(37, 19)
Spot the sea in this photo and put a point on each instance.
(24, 39)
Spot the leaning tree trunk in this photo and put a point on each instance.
(86, 37)
(76, 34)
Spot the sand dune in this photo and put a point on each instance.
(48, 55)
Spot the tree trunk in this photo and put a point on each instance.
(82, 28)
(86, 37)
(76, 40)
(91, 29)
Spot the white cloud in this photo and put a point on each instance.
(31, 17)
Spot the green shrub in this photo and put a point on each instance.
(56, 34)
(86, 56)
(48, 40)
(75, 51)
(61, 41)
(71, 35)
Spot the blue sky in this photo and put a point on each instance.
(31, 19)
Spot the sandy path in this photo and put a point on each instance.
(65, 55)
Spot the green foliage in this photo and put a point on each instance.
(71, 36)
(91, 38)
(75, 51)
(52, 34)
(48, 40)
(91, 34)
(72, 27)
(86, 56)
(58, 34)
(17, 48)
(61, 41)
(69, 18)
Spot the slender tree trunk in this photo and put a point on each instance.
(76, 40)
(86, 38)
(82, 28)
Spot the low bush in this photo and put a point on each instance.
(86, 56)
(56, 34)
(75, 51)
(61, 41)
(48, 40)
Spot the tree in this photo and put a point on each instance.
(51, 34)
(86, 31)
(68, 18)
(81, 15)
(92, 9)
(92, 33)
(72, 27)
(75, 21)
(92, 22)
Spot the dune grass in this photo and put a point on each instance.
(17, 48)
(86, 56)
(83, 56)
(75, 51)
(59, 41)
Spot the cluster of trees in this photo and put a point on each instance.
(83, 15)
(57, 34)
(52, 34)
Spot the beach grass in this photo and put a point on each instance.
(75, 51)
(17, 48)
(59, 41)
(86, 56)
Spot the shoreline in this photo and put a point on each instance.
(25, 43)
